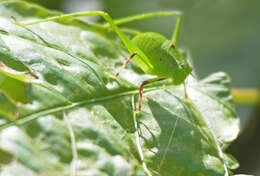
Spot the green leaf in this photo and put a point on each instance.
(59, 88)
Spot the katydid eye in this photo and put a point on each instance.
(172, 46)
(182, 66)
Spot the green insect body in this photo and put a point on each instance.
(167, 61)
(154, 53)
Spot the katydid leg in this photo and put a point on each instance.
(176, 33)
(142, 87)
(126, 63)
(127, 42)
(130, 46)
(146, 16)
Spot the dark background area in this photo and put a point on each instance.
(220, 35)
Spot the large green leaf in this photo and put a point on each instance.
(53, 69)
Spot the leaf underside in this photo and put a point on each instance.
(51, 69)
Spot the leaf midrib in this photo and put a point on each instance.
(49, 111)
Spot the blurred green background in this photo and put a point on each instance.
(220, 35)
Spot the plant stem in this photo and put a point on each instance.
(246, 96)
(73, 165)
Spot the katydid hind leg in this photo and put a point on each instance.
(126, 41)
(149, 81)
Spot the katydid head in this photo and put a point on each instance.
(183, 67)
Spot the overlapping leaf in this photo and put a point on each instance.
(52, 69)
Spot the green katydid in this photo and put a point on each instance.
(154, 53)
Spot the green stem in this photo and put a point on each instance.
(246, 96)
